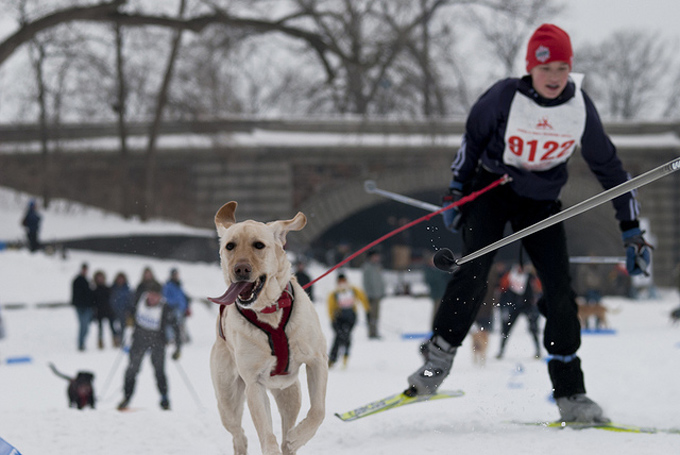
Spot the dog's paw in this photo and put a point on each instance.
(292, 443)
(287, 449)
(298, 436)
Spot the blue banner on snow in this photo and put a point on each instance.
(7, 449)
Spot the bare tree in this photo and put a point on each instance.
(207, 79)
(120, 107)
(672, 104)
(375, 54)
(507, 24)
(623, 71)
(161, 101)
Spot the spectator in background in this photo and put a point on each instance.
(102, 300)
(178, 301)
(31, 223)
(82, 298)
(374, 287)
(342, 308)
(121, 305)
(519, 289)
(303, 278)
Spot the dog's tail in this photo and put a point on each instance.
(61, 375)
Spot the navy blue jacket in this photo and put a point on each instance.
(484, 143)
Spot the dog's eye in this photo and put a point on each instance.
(258, 245)
(230, 246)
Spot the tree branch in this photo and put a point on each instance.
(29, 30)
(108, 12)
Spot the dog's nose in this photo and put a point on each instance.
(242, 270)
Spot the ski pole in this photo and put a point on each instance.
(372, 188)
(597, 260)
(185, 378)
(464, 200)
(445, 260)
(124, 349)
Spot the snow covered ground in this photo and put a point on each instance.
(633, 374)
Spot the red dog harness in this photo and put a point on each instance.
(278, 340)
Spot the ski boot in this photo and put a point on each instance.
(438, 355)
(580, 408)
(123, 405)
(165, 403)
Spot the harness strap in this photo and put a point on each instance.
(278, 340)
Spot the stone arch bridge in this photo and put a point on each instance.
(276, 167)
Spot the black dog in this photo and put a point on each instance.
(80, 390)
(675, 315)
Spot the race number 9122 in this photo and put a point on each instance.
(529, 150)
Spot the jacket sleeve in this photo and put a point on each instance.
(600, 154)
(481, 126)
(332, 305)
(361, 295)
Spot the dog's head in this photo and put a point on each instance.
(254, 263)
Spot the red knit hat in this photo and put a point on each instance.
(549, 43)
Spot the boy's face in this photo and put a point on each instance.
(153, 298)
(549, 80)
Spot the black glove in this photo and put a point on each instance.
(638, 252)
(453, 217)
(176, 354)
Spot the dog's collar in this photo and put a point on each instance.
(285, 300)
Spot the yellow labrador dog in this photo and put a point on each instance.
(267, 329)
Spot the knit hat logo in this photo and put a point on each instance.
(542, 54)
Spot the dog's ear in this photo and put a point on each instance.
(225, 215)
(281, 228)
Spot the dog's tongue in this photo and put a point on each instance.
(230, 295)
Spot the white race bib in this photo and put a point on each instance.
(149, 317)
(345, 298)
(517, 281)
(539, 138)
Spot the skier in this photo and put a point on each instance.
(528, 128)
(151, 319)
(342, 309)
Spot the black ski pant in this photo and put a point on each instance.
(140, 345)
(343, 324)
(484, 221)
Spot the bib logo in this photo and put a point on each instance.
(542, 54)
(544, 124)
